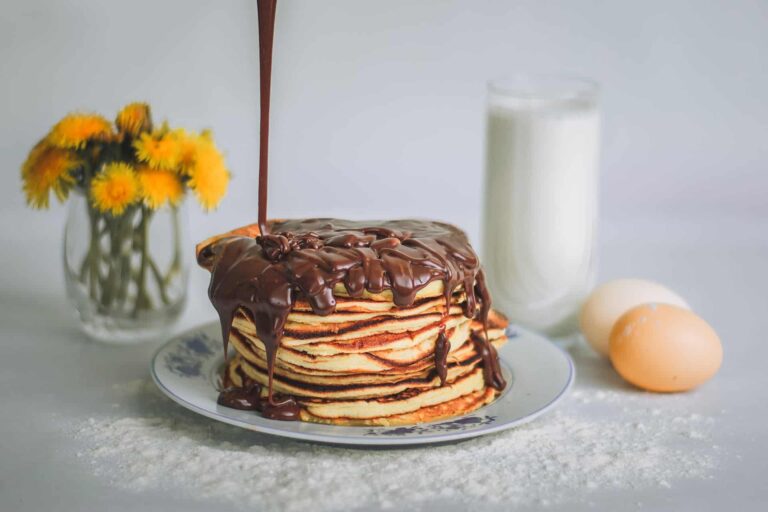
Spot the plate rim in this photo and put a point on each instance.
(340, 439)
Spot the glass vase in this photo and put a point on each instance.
(126, 275)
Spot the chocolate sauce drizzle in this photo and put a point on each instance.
(442, 347)
(308, 259)
(248, 397)
(266, 10)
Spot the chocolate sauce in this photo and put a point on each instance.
(284, 409)
(442, 347)
(491, 368)
(266, 10)
(309, 258)
(248, 397)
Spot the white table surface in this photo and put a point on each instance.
(49, 371)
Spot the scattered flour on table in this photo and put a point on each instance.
(567, 453)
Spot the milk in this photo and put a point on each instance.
(541, 208)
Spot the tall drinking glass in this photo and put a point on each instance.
(541, 198)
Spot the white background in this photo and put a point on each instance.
(378, 105)
(370, 96)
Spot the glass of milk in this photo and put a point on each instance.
(541, 195)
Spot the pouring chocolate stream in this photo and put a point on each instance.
(266, 10)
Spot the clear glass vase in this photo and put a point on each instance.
(126, 275)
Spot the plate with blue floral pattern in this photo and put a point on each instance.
(538, 374)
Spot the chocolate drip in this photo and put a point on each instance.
(246, 399)
(442, 347)
(285, 409)
(249, 397)
(491, 368)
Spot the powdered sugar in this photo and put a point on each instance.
(601, 438)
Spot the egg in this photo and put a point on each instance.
(664, 348)
(611, 300)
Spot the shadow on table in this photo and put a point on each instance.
(594, 371)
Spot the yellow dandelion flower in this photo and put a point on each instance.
(188, 144)
(159, 186)
(191, 144)
(115, 188)
(209, 176)
(47, 169)
(134, 119)
(75, 130)
(159, 151)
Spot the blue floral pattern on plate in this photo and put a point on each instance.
(188, 356)
(459, 424)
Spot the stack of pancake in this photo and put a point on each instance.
(371, 362)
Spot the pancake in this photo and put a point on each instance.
(306, 334)
(365, 309)
(416, 342)
(464, 394)
(369, 337)
(354, 385)
(349, 382)
(460, 406)
(286, 361)
(365, 362)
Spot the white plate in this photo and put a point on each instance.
(538, 375)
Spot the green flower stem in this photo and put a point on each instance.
(94, 255)
(109, 289)
(160, 281)
(175, 266)
(125, 278)
(124, 259)
(143, 301)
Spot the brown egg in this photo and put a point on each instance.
(664, 348)
(610, 300)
